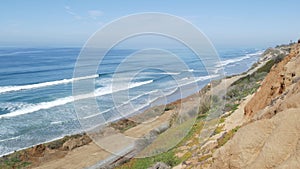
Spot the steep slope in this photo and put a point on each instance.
(271, 137)
(276, 83)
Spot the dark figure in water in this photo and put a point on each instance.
(299, 41)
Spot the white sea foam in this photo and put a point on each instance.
(21, 52)
(98, 92)
(110, 89)
(138, 96)
(133, 110)
(136, 84)
(13, 106)
(190, 80)
(12, 138)
(170, 73)
(186, 81)
(5, 89)
(206, 77)
(66, 100)
(238, 59)
(177, 73)
(218, 69)
(39, 106)
(57, 122)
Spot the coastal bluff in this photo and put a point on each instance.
(270, 137)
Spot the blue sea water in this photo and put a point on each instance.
(36, 103)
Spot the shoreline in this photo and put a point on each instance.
(35, 142)
(167, 105)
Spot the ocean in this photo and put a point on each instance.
(36, 103)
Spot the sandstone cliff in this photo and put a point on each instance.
(275, 84)
(271, 137)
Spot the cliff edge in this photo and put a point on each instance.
(271, 136)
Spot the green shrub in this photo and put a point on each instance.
(207, 102)
(13, 161)
(222, 120)
(267, 67)
(168, 158)
(218, 130)
(205, 157)
(169, 107)
(59, 143)
(226, 137)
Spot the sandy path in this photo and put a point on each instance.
(78, 158)
(92, 154)
(146, 127)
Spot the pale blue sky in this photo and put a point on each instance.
(232, 23)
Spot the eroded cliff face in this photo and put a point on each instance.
(267, 143)
(276, 82)
(271, 139)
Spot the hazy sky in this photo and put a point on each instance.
(255, 23)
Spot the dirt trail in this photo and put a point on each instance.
(90, 154)
(78, 158)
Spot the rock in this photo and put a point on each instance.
(38, 151)
(275, 83)
(181, 154)
(180, 166)
(182, 148)
(76, 142)
(162, 128)
(194, 147)
(160, 165)
(266, 143)
(271, 139)
(210, 145)
(107, 131)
